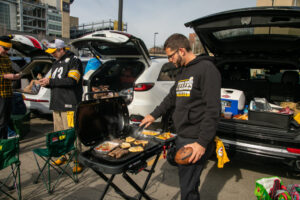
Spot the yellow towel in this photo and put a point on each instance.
(221, 152)
(297, 118)
(70, 117)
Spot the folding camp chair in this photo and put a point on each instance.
(9, 156)
(58, 144)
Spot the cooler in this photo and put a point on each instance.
(232, 100)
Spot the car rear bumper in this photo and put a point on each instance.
(266, 152)
(40, 107)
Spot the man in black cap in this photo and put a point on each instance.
(6, 77)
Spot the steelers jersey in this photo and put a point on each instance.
(66, 83)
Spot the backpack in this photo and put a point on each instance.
(18, 105)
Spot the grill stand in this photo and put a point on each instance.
(141, 191)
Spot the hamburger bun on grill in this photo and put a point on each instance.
(183, 155)
(125, 145)
(129, 139)
(142, 142)
(136, 149)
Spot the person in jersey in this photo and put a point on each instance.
(65, 83)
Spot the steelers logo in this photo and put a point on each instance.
(220, 151)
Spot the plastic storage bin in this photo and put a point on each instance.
(276, 120)
(232, 100)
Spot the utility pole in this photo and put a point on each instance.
(120, 15)
(154, 42)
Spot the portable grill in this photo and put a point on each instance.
(106, 119)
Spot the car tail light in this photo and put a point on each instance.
(293, 150)
(143, 86)
(136, 118)
(35, 100)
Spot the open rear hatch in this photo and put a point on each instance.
(269, 31)
(40, 61)
(28, 46)
(125, 58)
(113, 44)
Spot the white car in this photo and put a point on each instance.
(128, 71)
(151, 88)
(41, 62)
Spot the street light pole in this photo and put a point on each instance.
(120, 15)
(154, 42)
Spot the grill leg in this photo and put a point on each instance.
(133, 184)
(110, 183)
(150, 174)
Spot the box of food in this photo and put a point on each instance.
(149, 133)
(106, 147)
(166, 137)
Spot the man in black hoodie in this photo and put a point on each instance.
(196, 98)
(66, 89)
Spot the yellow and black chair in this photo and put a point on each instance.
(58, 144)
(9, 157)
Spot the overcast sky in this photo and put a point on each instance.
(145, 17)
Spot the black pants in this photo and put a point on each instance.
(189, 175)
(5, 110)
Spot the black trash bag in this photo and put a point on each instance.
(18, 105)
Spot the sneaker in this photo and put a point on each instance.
(78, 168)
(60, 161)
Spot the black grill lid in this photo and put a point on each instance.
(100, 120)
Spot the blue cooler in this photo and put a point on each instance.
(232, 100)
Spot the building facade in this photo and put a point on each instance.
(278, 3)
(39, 17)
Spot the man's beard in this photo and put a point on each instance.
(178, 62)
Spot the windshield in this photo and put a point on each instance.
(127, 48)
(259, 31)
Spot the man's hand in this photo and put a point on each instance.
(198, 152)
(147, 121)
(12, 76)
(44, 82)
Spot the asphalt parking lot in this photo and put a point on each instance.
(235, 181)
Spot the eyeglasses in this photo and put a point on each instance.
(171, 56)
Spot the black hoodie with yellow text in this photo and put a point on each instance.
(196, 97)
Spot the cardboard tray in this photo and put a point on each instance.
(166, 140)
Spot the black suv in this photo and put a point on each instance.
(257, 51)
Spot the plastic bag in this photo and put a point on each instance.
(294, 191)
(263, 187)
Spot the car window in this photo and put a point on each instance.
(41, 68)
(168, 72)
(117, 75)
